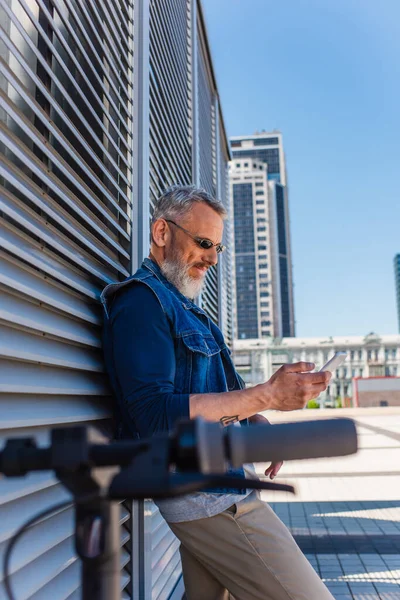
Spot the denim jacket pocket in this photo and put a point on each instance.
(200, 342)
(200, 359)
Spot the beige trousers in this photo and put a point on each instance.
(245, 553)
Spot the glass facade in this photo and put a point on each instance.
(246, 284)
(267, 155)
(268, 149)
(273, 141)
(283, 260)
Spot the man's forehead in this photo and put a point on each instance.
(204, 217)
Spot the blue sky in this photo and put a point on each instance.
(327, 74)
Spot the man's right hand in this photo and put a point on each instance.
(292, 386)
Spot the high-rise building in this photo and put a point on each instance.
(397, 283)
(103, 105)
(257, 311)
(271, 229)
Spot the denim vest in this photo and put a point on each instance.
(203, 361)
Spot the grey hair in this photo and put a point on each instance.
(177, 201)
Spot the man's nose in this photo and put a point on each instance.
(211, 256)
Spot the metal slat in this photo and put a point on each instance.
(63, 235)
(163, 79)
(26, 217)
(120, 119)
(44, 569)
(105, 59)
(53, 49)
(54, 78)
(16, 487)
(12, 143)
(17, 243)
(58, 214)
(174, 52)
(43, 116)
(169, 573)
(50, 410)
(176, 145)
(17, 311)
(20, 345)
(61, 191)
(107, 50)
(123, 47)
(121, 26)
(20, 377)
(14, 514)
(25, 280)
(64, 582)
(163, 548)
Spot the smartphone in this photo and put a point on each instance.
(334, 362)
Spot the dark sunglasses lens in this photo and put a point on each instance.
(206, 244)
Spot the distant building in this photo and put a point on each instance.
(397, 282)
(271, 222)
(258, 311)
(370, 356)
(376, 391)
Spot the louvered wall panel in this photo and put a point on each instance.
(207, 159)
(170, 110)
(170, 163)
(226, 259)
(65, 231)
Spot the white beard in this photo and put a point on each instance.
(176, 273)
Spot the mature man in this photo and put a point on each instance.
(167, 360)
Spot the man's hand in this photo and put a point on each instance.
(292, 386)
(273, 468)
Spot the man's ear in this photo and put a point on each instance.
(160, 233)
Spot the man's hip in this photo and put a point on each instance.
(245, 553)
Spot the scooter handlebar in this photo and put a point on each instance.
(291, 441)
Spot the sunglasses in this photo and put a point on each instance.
(202, 242)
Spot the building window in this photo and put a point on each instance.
(264, 294)
(259, 192)
(263, 265)
(264, 304)
(360, 354)
(394, 352)
(265, 313)
(262, 247)
(259, 201)
(262, 238)
(246, 164)
(259, 183)
(261, 229)
(352, 353)
(361, 372)
(260, 211)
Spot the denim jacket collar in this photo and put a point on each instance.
(188, 304)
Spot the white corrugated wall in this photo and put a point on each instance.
(87, 126)
(65, 232)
